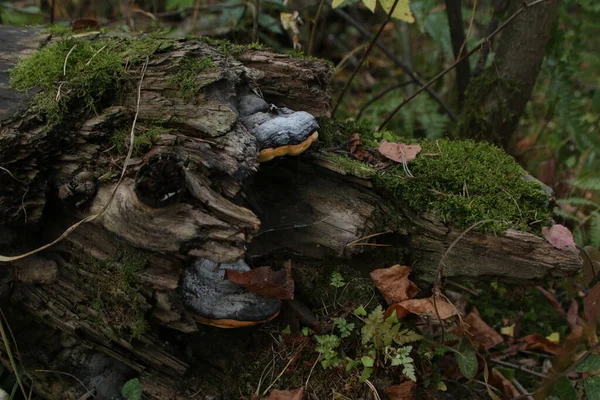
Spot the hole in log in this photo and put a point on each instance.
(161, 181)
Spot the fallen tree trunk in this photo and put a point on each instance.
(194, 188)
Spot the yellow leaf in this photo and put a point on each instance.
(370, 4)
(441, 386)
(508, 330)
(402, 11)
(336, 3)
(554, 337)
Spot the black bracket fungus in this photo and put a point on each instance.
(278, 131)
(219, 302)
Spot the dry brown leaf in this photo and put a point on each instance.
(591, 305)
(404, 391)
(500, 382)
(553, 302)
(286, 394)
(393, 283)
(401, 312)
(425, 306)
(560, 237)
(265, 282)
(536, 341)
(482, 333)
(399, 152)
(356, 149)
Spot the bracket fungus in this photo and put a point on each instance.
(278, 131)
(219, 302)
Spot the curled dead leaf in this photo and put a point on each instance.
(266, 282)
(399, 152)
(426, 306)
(356, 149)
(393, 283)
(404, 391)
(286, 394)
(482, 333)
(536, 341)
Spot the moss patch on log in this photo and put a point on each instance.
(462, 182)
(112, 286)
(188, 71)
(79, 69)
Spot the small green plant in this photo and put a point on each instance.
(382, 342)
(132, 389)
(343, 326)
(337, 280)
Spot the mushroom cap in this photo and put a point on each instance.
(219, 302)
(285, 129)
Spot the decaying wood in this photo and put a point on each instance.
(198, 192)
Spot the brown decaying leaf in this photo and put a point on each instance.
(286, 394)
(404, 391)
(401, 312)
(482, 333)
(393, 283)
(399, 152)
(425, 306)
(560, 237)
(356, 149)
(553, 302)
(536, 341)
(500, 382)
(591, 305)
(265, 282)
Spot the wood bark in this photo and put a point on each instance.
(496, 101)
(225, 206)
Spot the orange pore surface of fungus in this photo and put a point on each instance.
(290, 149)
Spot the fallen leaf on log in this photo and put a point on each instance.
(266, 282)
(536, 341)
(285, 394)
(393, 283)
(560, 237)
(482, 333)
(399, 152)
(357, 150)
(426, 306)
(404, 391)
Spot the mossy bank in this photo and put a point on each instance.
(462, 182)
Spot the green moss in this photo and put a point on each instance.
(188, 71)
(141, 143)
(112, 286)
(58, 30)
(463, 182)
(78, 69)
(230, 49)
(352, 167)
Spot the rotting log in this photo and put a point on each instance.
(111, 289)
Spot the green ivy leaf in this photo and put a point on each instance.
(590, 364)
(370, 4)
(360, 311)
(592, 387)
(367, 361)
(467, 362)
(401, 12)
(366, 374)
(351, 364)
(565, 390)
(132, 389)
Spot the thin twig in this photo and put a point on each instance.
(67, 374)
(450, 68)
(256, 21)
(398, 62)
(9, 353)
(364, 57)
(380, 95)
(313, 33)
(517, 367)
